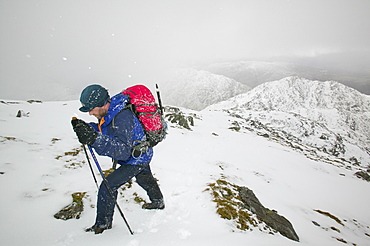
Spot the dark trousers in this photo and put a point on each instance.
(105, 204)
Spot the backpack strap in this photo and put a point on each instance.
(139, 147)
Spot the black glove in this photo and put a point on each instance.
(86, 134)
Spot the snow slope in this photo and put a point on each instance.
(38, 177)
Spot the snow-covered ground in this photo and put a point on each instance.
(38, 177)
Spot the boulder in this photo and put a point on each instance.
(73, 210)
(270, 217)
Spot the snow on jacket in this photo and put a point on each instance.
(118, 130)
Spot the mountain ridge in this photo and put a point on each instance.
(254, 73)
(307, 93)
(325, 119)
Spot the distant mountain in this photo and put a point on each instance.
(254, 73)
(197, 89)
(325, 120)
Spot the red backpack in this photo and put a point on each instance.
(144, 106)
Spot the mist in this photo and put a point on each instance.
(52, 49)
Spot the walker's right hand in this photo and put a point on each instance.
(86, 133)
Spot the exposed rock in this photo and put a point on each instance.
(330, 216)
(74, 209)
(54, 140)
(240, 205)
(34, 101)
(363, 175)
(21, 113)
(270, 217)
(315, 223)
(176, 116)
(230, 207)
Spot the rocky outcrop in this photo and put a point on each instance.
(270, 217)
(73, 210)
(363, 175)
(240, 205)
(177, 117)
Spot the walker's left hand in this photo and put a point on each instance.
(86, 133)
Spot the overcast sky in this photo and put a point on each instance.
(67, 44)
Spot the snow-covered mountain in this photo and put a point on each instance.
(254, 73)
(196, 90)
(323, 119)
(42, 164)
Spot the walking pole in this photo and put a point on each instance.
(109, 189)
(91, 169)
(159, 98)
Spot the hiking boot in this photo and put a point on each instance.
(156, 204)
(98, 230)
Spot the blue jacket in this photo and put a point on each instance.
(119, 129)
